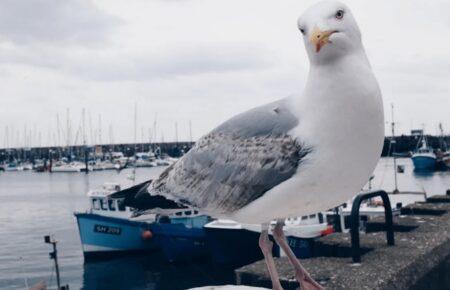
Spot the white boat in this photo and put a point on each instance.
(145, 159)
(13, 167)
(70, 167)
(374, 207)
(103, 165)
(27, 166)
(309, 226)
(163, 162)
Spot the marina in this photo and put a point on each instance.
(224, 145)
(51, 200)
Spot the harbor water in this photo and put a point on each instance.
(36, 204)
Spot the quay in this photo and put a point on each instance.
(419, 260)
(404, 145)
(174, 149)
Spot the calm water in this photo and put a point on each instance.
(36, 204)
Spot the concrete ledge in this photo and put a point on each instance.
(420, 258)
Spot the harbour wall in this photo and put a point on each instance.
(419, 260)
(403, 145)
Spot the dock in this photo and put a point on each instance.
(420, 258)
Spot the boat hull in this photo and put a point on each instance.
(233, 247)
(424, 162)
(182, 239)
(105, 236)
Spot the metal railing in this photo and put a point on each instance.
(354, 220)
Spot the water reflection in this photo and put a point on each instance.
(150, 272)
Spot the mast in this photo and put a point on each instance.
(176, 133)
(135, 140)
(393, 149)
(99, 129)
(84, 141)
(190, 131)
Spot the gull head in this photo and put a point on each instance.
(329, 31)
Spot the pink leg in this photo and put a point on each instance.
(303, 278)
(266, 247)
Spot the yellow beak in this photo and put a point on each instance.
(319, 38)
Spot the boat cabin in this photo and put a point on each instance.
(102, 204)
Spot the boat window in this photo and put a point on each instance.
(304, 217)
(95, 204)
(188, 212)
(178, 213)
(311, 216)
(320, 218)
(102, 204)
(111, 204)
(195, 211)
(121, 205)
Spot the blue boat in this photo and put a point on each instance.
(181, 236)
(424, 159)
(104, 236)
(110, 227)
(107, 228)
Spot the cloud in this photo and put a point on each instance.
(181, 61)
(176, 61)
(76, 22)
(201, 61)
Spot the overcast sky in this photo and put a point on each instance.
(198, 61)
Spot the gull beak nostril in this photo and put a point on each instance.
(320, 38)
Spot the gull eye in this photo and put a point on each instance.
(339, 14)
(302, 31)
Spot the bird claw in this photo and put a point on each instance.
(307, 283)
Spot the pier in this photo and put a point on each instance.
(174, 149)
(404, 145)
(420, 258)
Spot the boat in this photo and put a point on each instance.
(163, 162)
(74, 166)
(110, 227)
(232, 243)
(373, 208)
(181, 235)
(424, 158)
(145, 159)
(446, 159)
(12, 166)
(27, 166)
(106, 227)
(99, 165)
(236, 244)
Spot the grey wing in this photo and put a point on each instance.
(237, 162)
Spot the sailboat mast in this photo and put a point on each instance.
(393, 149)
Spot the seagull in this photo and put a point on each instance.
(296, 156)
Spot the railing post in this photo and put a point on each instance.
(354, 219)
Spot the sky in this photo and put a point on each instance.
(188, 65)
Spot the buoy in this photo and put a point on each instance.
(327, 231)
(147, 235)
